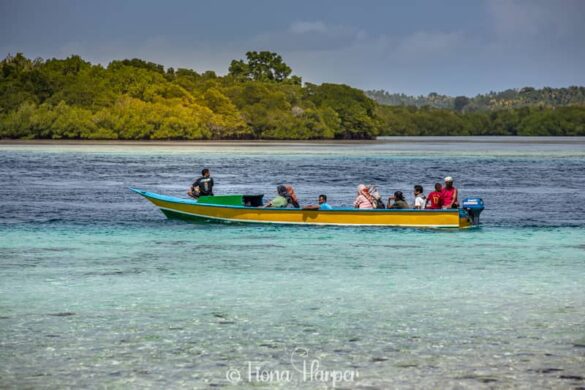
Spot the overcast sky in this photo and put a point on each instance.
(456, 47)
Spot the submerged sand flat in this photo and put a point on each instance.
(409, 146)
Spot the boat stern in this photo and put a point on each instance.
(473, 207)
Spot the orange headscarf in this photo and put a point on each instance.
(292, 194)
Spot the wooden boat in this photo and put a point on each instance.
(247, 208)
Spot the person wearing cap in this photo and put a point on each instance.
(449, 194)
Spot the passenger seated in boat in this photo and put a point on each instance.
(363, 200)
(377, 203)
(286, 196)
(449, 194)
(419, 198)
(435, 199)
(323, 205)
(203, 186)
(292, 196)
(399, 202)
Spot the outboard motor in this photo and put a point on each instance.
(474, 207)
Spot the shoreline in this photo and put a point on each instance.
(554, 140)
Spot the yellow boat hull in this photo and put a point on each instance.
(190, 209)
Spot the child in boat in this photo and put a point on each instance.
(399, 201)
(202, 186)
(419, 198)
(363, 200)
(449, 194)
(435, 198)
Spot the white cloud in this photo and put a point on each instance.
(302, 27)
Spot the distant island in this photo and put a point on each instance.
(259, 98)
(493, 101)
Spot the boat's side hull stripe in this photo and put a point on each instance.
(206, 217)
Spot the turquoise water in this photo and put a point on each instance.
(97, 289)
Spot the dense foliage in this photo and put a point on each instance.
(135, 99)
(526, 121)
(510, 98)
(258, 99)
(433, 99)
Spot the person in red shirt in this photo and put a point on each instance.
(435, 198)
(450, 194)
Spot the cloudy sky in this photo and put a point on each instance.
(413, 46)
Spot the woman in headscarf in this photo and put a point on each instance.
(286, 195)
(292, 196)
(378, 203)
(363, 200)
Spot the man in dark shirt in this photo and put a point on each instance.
(202, 186)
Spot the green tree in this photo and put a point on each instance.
(460, 102)
(261, 66)
(355, 110)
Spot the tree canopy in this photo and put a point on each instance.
(493, 101)
(262, 66)
(258, 99)
(136, 99)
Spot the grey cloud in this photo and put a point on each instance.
(310, 36)
(457, 47)
(520, 19)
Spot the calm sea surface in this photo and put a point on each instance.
(98, 289)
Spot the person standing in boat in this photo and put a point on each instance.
(450, 194)
(203, 186)
(363, 199)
